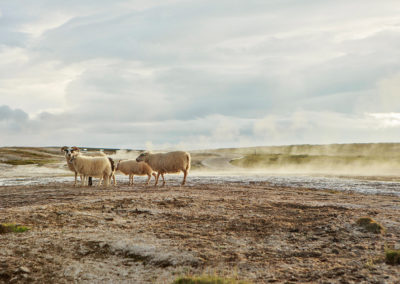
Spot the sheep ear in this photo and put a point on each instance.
(75, 149)
(64, 148)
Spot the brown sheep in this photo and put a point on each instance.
(132, 168)
(163, 163)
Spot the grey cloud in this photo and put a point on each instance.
(12, 120)
(8, 114)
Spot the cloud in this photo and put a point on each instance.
(12, 121)
(389, 93)
(194, 74)
(17, 115)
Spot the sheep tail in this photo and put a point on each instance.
(112, 165)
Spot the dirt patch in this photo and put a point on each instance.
(256, 232)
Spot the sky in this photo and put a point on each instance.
(181, 74)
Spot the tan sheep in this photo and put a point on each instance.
(69, 151)
(132, 168)
(163, 163)
(92, 166)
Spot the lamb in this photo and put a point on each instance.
(132, 168)
(92, 166)
(171, 162)
(69, 151)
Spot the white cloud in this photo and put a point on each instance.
(389, 93)
(387, 120)
(200, 73)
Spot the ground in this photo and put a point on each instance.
(255, 232)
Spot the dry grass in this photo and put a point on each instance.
(370, 225)
(208, 280)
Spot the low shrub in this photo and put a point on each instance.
(370, 225)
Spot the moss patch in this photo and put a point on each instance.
(12, 228)
(370, 225)
(392, 256)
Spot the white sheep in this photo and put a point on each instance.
(132, 168)
(92, 166)
(69, 151)
(163, 163)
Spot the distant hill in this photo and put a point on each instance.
(349, 159)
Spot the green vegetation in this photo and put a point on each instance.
(370, 225)
(27, 156)
(12, 228)
(208, 280)
(392, 256)
(19, 162)
(30, 153)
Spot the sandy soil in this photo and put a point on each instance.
(143, 234)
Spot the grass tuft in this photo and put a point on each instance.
(392, 256)
(208, 280)
(12, 228)
(370, 225)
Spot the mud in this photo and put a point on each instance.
(254, 231)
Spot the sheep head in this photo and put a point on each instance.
(142, 157)
(72, 159)
(70, 151)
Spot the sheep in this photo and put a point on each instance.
(171, 162)
(69, 151)
(132, 168)
(92, 166)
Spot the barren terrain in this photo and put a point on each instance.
(257, 232)
(262, 229)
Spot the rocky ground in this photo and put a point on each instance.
(255, 232)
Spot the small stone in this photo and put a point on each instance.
(24, 269)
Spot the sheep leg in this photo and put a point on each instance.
(184, 177)
(113, 177)
(130, 179)
(163, 183)
(76, 178)
(106, 180)
(83, 180)
(158, 175)
(100, 180)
